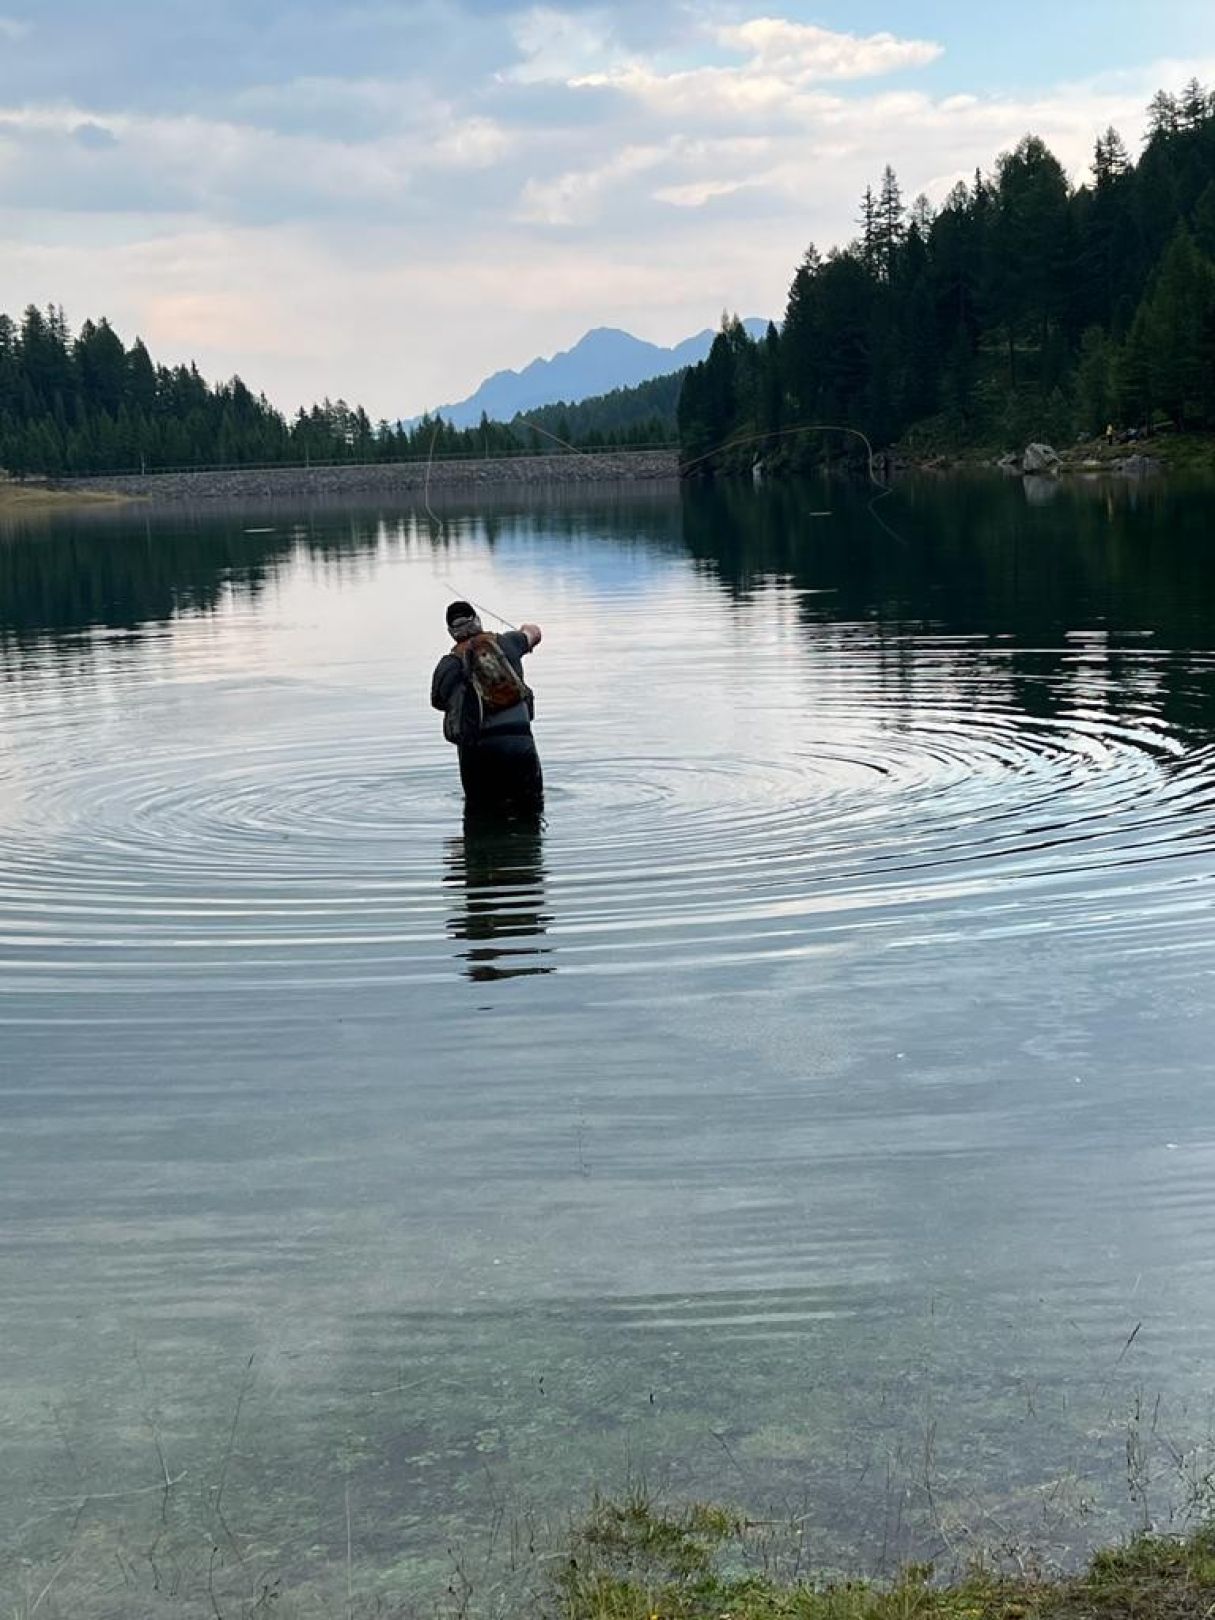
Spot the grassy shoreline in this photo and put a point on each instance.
(22, 498)
(632, 1561)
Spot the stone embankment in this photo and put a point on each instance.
(389, 478)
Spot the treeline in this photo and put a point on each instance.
(1022, 308)
(641, 415)
(84, 402)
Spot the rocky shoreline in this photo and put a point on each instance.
(377, 478)
(1132, 457)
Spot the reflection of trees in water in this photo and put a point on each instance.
(1131, 562)
(496, 872)
(102, 575)
(122, 569)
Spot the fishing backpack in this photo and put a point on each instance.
(491, 685)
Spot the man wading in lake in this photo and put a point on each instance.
(487, 712)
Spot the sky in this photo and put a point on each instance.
(386, 200)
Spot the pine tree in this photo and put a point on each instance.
(1030, 245)
(1164, 116)
(870, 230)
(1193, 107)
(1095, 391)
(890, 226)
(773, 401)
(1178, 333)
(800, 338)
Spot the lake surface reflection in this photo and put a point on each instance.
(815, 1110)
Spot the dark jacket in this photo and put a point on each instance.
(449, 677)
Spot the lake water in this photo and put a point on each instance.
(815, 1113)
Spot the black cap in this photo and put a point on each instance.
(460, 610)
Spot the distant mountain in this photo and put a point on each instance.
(604, 359)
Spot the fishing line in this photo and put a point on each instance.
(781, 433)
(557, 439)
(436, 526)
(883, 490)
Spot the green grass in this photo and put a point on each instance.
(1181, 452)
(1176, 452)
(633, 1561)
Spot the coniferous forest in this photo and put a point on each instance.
(86, 403)
(1023, 308)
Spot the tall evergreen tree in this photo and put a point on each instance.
(1174, 331)
(890, 227)
(1020, 306)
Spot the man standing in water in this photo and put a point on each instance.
(487, 708)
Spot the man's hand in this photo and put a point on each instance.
(533, 634)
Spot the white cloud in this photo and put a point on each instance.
(782, 60)
(558, 46)
(576, 196)
(696, 193)
(701, 92)
(221, 168)
(13, 29)
(394, 238)
(471, 143)
(570, 198)
(803, 52)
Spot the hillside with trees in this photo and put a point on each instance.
(641, 415)
(86, 403)
(1022, 308)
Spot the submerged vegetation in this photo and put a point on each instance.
(631, 1561)
(1022, 308)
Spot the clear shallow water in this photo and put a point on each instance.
(809, 1114)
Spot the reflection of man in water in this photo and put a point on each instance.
(488, 714)
(501, 913)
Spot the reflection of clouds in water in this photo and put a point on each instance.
(496, 871)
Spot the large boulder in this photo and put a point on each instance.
(1040, 458)
(1138, 466)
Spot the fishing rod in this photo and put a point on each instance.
(480, 606)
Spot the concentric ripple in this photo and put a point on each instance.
(244, 834)
(823, 1084)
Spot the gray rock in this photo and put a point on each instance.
(1009, 463)
(1040, 458)
(1140, 466)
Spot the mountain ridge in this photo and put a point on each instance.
(603, 359)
